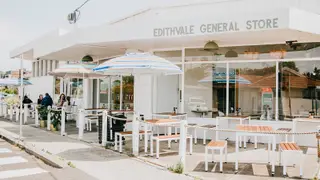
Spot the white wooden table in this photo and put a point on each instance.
(255, 130)
(157, 122)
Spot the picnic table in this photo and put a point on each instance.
(150, 123)
(256, 130)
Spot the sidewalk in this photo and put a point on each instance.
(95, 161)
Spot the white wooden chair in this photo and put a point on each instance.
(288, 151)
(216, 145)
(158, 139)
(125, 134)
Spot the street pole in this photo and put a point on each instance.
(21, 95)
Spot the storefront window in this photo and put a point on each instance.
(104, 89)
(299, 92)
(115, 93)
(205, 95)
(252, 90)
(173, 56)
(76, 88)
(127, 92)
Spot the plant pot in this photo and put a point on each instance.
(52, 128)
(42, 123)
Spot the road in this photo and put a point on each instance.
(16, 164)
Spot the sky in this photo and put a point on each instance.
(24, 20)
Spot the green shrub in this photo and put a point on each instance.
(178, 168)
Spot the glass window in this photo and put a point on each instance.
(252, 89)
(115, 93)
(205, 95)
(76, 88)
(173, 56)
(104, 88)
(127, 92)
(299, 84)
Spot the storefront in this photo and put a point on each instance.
(254, 57)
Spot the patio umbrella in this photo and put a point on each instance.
(221, 78)
(13, 82)
(76, 71)
(138, 64)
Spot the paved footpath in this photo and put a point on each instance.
(94, 162)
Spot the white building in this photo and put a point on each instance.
(275, 66)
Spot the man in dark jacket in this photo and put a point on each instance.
(47, 100)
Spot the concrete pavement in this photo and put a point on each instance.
(95, 162)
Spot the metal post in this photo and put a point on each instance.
(227, 89)
(81, 123)
(104, 128)
(49, 118)
(183, 142)
(21, 95)
(25, 113)
(1, 108)
(5, 109)
(17, 109)
(63, 121)
(135, 135)
(121, 92)
(277, 91)
(182, 81)
(36, 116)
(11, 112)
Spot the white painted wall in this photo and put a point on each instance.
(143, 95)
(40, 85)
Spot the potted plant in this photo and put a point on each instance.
(43, 115)
(55, 123)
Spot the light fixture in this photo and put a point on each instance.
(231, 54)
(87, 58)
(211, 46)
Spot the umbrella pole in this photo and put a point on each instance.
(21, 96)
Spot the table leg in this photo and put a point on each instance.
(169, 134)
(237, 152)
(269, 141)
(294, 129)
(217, 127)
(273, 154)
(145, 138)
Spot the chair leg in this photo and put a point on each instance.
(204, 137)
(269, 147)
(191, 144)
(120, 141)
(280, 156)
(116, 142)
(226, 153)
(151, 146)
(221, 160)
(255, 142)
(157, 149)
(195, 136)
(301, 164)
(212, 153)
(240, 141)
(245, 142)
(176, 133)
(284, 164)
(206, 159)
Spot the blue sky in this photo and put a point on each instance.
(24, 20)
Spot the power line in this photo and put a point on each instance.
(82, 5)
(75, 15)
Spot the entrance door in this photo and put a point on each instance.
(167, 93)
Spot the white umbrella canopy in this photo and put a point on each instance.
(77, 71)
(138, 63)
(13, 82)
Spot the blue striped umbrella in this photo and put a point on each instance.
(13, 82)
(138, 63)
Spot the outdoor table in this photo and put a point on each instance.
(296, 120)
(228, 118)
(255, 130)
(157, 122)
